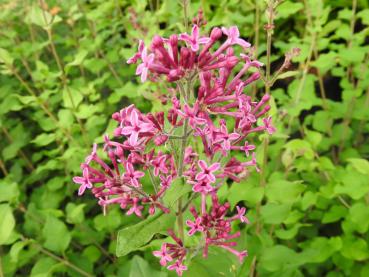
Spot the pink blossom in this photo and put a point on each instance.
(90, 157)
(163, 255)
(178, 267)
(207, 172)
(159, 164)
(194, 39)
(138, 55)
(234, 37)
(268, 125)
(202, 186)
(83, 181)
(165, 181)
(137, 126)
(247, 147)
(192, 115)
(135, 208)
(241, 215)
(195, 226)
(143, 68)
(132, 176)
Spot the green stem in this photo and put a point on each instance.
(152, 178)
(62, 260)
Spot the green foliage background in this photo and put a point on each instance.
(60, 82)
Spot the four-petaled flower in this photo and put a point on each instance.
(132, 176)
(178, 267)
(83, 181)
(165, 181)
(207, 172)
(234, 37)
(194, 39)
(191, 115)
(137, 127)
(163, 255)
(136, 208)
(159, 164)
(241, 215)
(143, 68)
(226, 138)
(247, 147)
(195, 226)
(268, 125)
(202, 186)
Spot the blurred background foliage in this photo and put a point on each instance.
(64, 72)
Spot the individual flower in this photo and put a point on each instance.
(143, 68)
(178, 267)
(207, 171)
(194, 39)
(195, 226)
(136, 128)
(132, 176)
(83, 181)
(163, 255)
(234, 37)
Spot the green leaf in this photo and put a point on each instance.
(278, 257)
(282, 191)
(5, 57)
(288, 8)
(141, 268)
(7, 223)
(44, 267)
(273, 213)
(44, 139)
(175, 191)
(55, 232)
(8, 192)
(16, 249)
(355, 249)
(360, 165)
(133, 237)
(41, 18)
(72, 97)
(359, 214)
(78, 59)
(248, 190)
(75, 213)
(335, 213)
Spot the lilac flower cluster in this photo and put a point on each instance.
(208, 119)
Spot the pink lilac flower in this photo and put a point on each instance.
(136, 208)
(166, 181)
(195, 226)
(192, 115)
(207, 171)
(247, 147)
(132, 176)
(194, 39)
(268, 125)
(137, 127)
(83, 181)
(143, 68)
(178, 267)
(138, 55)
(234, 37)
(163, 255)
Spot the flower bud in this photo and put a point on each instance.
(216, 34)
